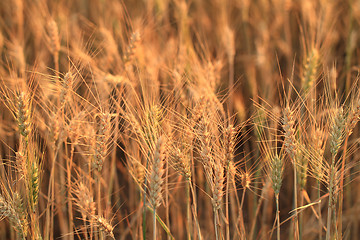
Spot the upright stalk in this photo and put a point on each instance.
(144, 204)
(227, 207)
(195, 210)
(277, 217)
(301, 215)
(319, 209)
(70, 206)
(154, 223)
(296, 223)
(341, 192)
(215, 224)
(101, 237)
(331, 196)
(188, 210)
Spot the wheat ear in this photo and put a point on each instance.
(336, 139)
(8, 210)
(156, 179)
(54, 42)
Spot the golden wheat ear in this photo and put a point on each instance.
(23, 113)
(156, 176)
(54, 42)
(105, 226)
(102, 137)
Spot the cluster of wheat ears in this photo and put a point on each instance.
(176, 119)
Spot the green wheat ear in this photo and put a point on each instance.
(302, 170)
(8, 210)
(21, 212)
(276, 168)
(310, 70)
(34, 185)
(337, 131)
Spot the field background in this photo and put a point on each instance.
(175, 119)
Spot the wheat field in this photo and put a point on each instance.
(179, 119)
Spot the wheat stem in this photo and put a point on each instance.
(154, 223)
(319, 209)
(277, 217)
(227, 205)
(144, 202)
(331, 197)
(216, 224)
(188, 209)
